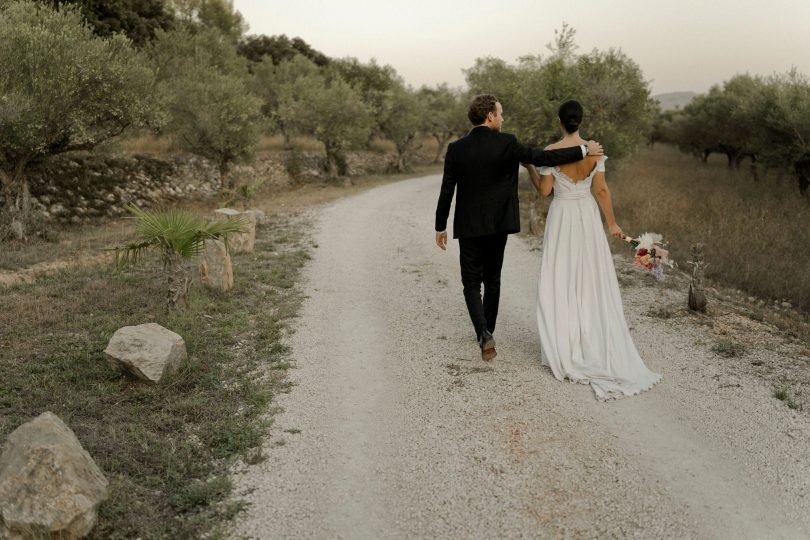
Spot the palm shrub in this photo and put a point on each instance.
(179, 235)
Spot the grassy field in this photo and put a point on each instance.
(757, 234)
(166, 448)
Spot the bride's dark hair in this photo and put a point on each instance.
(570, 114)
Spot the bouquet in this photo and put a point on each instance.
(650, 253)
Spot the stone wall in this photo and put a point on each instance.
(81, 188)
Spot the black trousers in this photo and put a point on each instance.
(481, 262)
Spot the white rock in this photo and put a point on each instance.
(147, 351)
(216, 270)
(50, 487)
(239, 242)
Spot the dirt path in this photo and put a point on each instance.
(397, 429)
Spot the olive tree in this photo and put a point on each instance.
(62, 89)
(212, 113)
(610, 86)
(374, 83)
(216, 117)
(277, 86)
(217, 15)
(445, 113)
(137, 19)
(331, 111)
(783, 139)
(279, 49)
(401, 120)
(725, 120)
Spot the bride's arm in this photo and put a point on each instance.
(602, 194)
(542, 184)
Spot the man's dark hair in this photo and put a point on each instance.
(570, 114)
(480, 106)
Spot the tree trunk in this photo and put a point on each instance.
(178, 281)
(16, 211)
(802, 170)
(697, 295)
(400, 165)
(287, 138)
(442, 143)
(331, 164)
(336, 165)
(226, 190)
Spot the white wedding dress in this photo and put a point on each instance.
(583, 333)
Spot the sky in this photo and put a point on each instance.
(680, 45)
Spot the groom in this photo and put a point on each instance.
(483, 167)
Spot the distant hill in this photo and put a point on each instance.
(674, 100)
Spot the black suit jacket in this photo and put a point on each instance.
(483, 168)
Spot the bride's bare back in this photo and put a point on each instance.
(579, 170)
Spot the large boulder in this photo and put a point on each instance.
(239, 242)
(147, 351)
(216, 271)
(50, 487)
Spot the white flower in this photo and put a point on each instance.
(647, 240)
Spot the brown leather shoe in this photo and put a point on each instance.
(487, 344)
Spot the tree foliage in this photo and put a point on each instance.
(608, 84)
(764, 119)
(219, 15)
(204, 83)
(137, 19)
(445, 114)
(62, 89)
(279, 49)
(374, 82)
(401, 120)
(278, 86)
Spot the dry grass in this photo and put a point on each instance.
(146, 144)
(160, 145)
(757, 234)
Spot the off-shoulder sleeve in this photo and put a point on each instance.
(600, 165)
(544, 171)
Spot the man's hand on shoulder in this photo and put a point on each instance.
(595, 149)
(441, 240)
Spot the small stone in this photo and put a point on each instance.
(787, 305)
(50, 487)
(752, 299)
(147, 351)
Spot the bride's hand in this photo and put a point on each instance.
(616, 231)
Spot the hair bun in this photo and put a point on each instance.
(570, 114)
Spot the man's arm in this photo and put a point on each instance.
(550, 158)
(445, 198)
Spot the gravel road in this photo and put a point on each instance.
(396, 429)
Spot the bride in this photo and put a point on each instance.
(580, 318)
